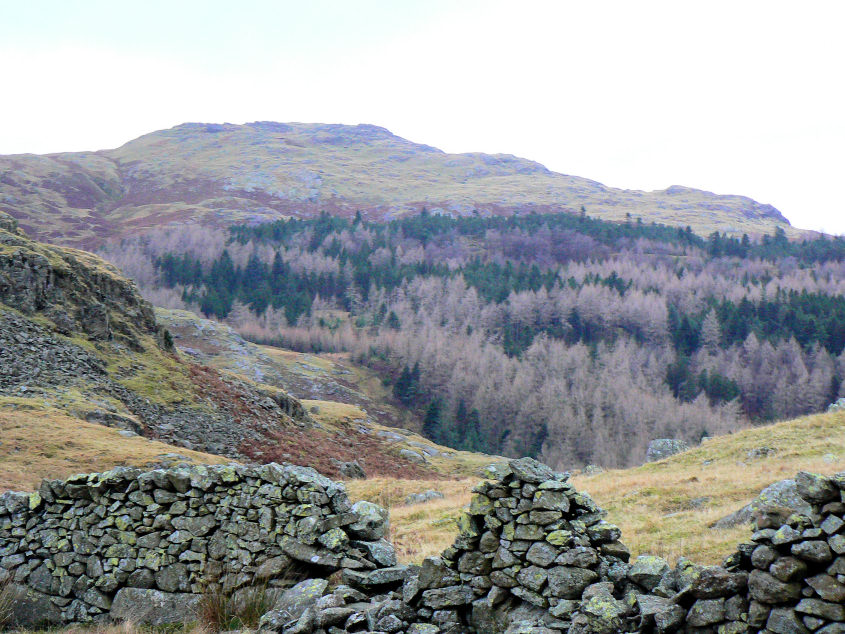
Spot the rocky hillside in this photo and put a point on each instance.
(80, 347)
(219, 174)
(344, 398)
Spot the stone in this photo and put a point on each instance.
(661, 448)
(599, 614)
(763, 556)
(373, 521)
(382, 551)
(603, 532)
(551, 500)
(423, 497)
(434, 573)
(815, 488)
(173, 578)
(785, 621)
(670, 619)
(711, 582)
(647, 570)
(568, 583)
(475, 563)
(293, 602)
(783, 493)
(706, 612)
(450, 596)
(788, 569)
(530, 470)
(541, 553)
(153, 607)
(393, 575)
(29, 608)
(273, 567)
(412, 456)
(352, 470)
(827, 587)
(616, 549)
(559, 537)
(533, 578)
(765, 588)
(822, 609)
(814, 552)
(141, 578)
(832, 524)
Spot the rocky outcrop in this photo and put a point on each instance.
(146, 545)
(77, 335)
(75, 290)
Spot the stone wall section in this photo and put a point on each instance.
(77, 548)
(533, 556)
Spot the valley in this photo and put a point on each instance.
(414, 343)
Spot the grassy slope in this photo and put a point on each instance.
(654, 503)
(247, 173)
(39, 443)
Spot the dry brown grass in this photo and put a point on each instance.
(46, 443)
(653, 503)
(418, 530)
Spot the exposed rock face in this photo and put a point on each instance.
(144, 545)
(76, 290)
(663, 448)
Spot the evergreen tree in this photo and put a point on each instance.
(433, 421)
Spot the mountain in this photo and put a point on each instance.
(89, 378)
(223, 173)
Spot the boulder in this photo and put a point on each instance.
(815, 488)
(530, 470)
(661, 448)
(30, 609)
(424, 496)
(290, 606)
(783, 493)
(153, 607)
(352, 470)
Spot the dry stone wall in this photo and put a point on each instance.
(534, 556)
(102, 545)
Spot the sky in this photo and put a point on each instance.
(739, 97)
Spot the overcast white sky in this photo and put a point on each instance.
(736, 97)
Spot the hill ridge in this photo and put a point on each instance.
(210, 173)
